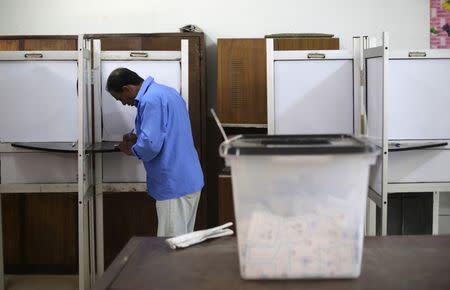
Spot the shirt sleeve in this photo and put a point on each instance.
(152, 132)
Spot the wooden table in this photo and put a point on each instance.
(393, 262)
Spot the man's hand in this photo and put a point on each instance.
(125, 147)
(130, 137)
(128, 140)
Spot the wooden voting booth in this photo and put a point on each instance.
(56, 101)
(123, 207)
(46, 98)
(407, 101)
(118, 172)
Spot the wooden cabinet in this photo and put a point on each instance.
(226, 207)
(126, 214)
(241, 81)
(40, 232)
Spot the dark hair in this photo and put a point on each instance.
(121, 77)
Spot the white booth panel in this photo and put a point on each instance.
(419, 166)
(313, 97)
(119, 119)
(444, 225)
(419, 99)
(38, 168)
(444, 203)
(374, 95)
(375, 175)
(118, 167)
(38, 101)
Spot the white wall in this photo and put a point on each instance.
(406, 20)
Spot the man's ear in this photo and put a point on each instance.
(130, 90)
(126, 89)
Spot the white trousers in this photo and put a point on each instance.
(177, 216)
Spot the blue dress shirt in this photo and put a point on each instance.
(164, 142)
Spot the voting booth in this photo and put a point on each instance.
(59, 128)
(45, 106)
(118, 172)
(407, 101)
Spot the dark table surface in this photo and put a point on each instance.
(67, 147)
(393, 262)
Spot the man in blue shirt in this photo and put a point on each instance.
(164, 143)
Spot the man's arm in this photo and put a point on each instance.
(152, 131)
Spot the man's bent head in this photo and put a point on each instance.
(124, 84)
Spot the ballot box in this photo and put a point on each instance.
(300, 203)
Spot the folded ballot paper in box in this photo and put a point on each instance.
(300, 204)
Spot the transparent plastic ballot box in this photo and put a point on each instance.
(300, 204)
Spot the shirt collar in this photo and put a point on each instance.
(143, 89)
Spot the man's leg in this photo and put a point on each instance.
(195, 197)
(177, 216)
(170, 220)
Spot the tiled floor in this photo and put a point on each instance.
(41, 282)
